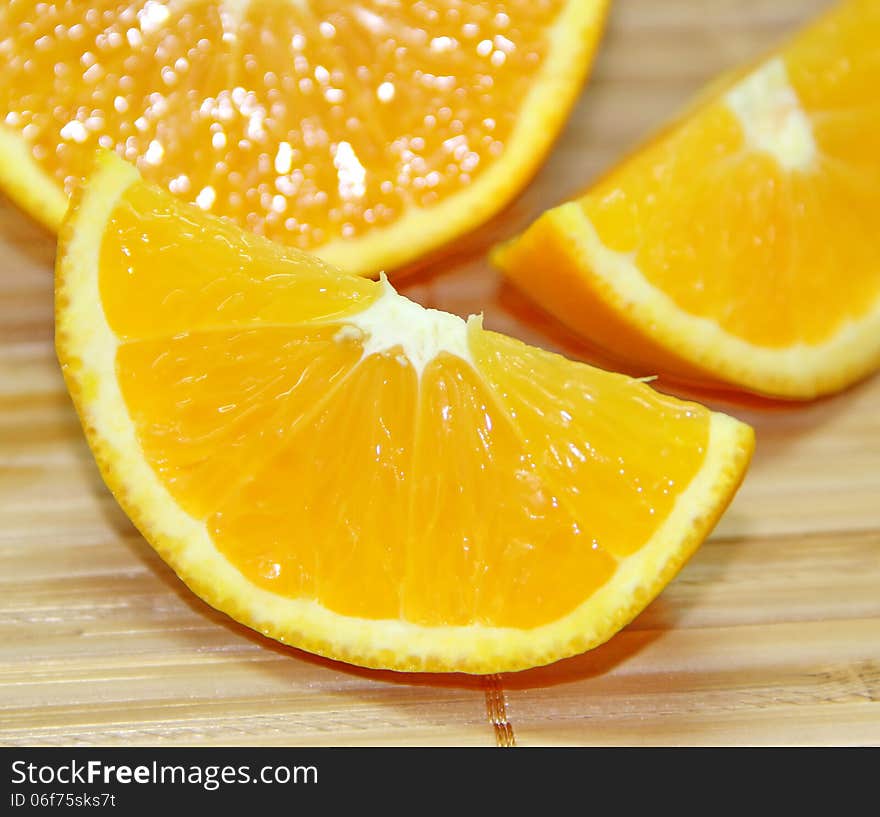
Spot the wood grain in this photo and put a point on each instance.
(771, 635)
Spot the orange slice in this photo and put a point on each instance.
(741, 244)
(350, 473)
(372, 132)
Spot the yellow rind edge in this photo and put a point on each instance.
(598, 275)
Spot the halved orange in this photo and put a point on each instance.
(369, 131)
(347, 472)
(741, 245)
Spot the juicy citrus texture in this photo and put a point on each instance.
(350, 473)
(741, 244)
(340, 126)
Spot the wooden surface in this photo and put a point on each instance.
(771, 635)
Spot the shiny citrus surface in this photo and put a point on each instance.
(309, 122)
(448, 497)
(759, 212)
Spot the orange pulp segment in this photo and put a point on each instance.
(739, 245)
(370, 131)
(350, 473)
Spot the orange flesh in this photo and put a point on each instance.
(502, 493)
(731, 236)
(304, 122)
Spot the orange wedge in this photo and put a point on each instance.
(740, 246)
(347, 472)
(372, 132)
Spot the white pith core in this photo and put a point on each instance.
(395, 322)
(771, 116)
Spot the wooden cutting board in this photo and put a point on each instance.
(771, 635)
